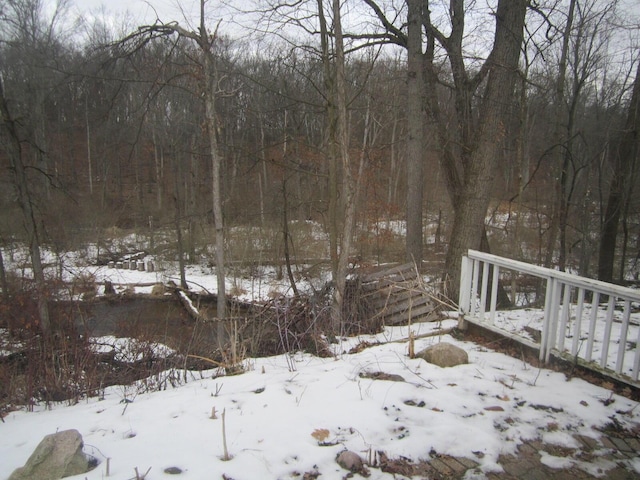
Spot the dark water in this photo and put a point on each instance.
(156, 319)
(112, 317)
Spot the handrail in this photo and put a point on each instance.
(544, 272)
(564, 309)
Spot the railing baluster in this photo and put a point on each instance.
(595, 304)
(636, 360)
(553, 320)
(494, 294)
(465, 286)
(546, 319)
(483, 290)
(607, 331)
(624, 330)
(578, 323)
(474, 288)
(564, 317)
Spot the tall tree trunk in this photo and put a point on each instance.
(342, 147)
(287, 238)
(88, 133)
(3, 278)
(329, 85)
(415, 130)
(475, 192)
(623, 156)
(159, 164)
(210, 86)
(560, 139)
(177, 180)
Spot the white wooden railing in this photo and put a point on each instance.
(576, 310)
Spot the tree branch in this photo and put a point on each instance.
(393, 32)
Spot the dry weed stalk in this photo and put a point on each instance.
(412, 341)
(139, 476)
(226, 457)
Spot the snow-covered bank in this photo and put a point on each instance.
(479, 411)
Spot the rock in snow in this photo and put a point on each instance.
(350, 461)
(57, 456)
(444, 355)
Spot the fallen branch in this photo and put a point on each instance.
(213, 362)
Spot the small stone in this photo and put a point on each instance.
(173, 470)
(350, 461)
(444, 355)
(494, 408)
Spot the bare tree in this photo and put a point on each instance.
(30, 41)
(584, 38)
(12, 144)
(415, 131)
(624, 156)
(470, 141)
(350, 184)
(206, 42)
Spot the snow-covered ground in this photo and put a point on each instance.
(292, 414)
(479, 411)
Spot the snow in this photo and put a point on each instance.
(555, 462)
(479, 411)
(515, 321)
(129, 350)
(272, 410)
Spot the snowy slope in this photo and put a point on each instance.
(479, 411)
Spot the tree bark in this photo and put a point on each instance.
(342, 147)
(211, 82)
(415, 133)
(177, 205)
(329, 85)
(3, 278)
(475, 191)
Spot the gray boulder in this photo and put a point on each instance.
(444, 355)
(57, 456)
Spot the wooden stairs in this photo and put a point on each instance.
(395, 295)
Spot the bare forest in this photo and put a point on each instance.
(406, 130)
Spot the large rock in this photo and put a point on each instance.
(57, 456)
(444, 355)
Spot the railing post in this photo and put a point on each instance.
(494, 294)
(545, 320)
(624, 331)
(595, 303)
(483, 290)
(465, 291)
(636, 359)
(475, 279)
(564, 316)
(578, 322)
(611, 306)
(552, 322)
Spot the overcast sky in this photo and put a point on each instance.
(186, 12)
(140, 10)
